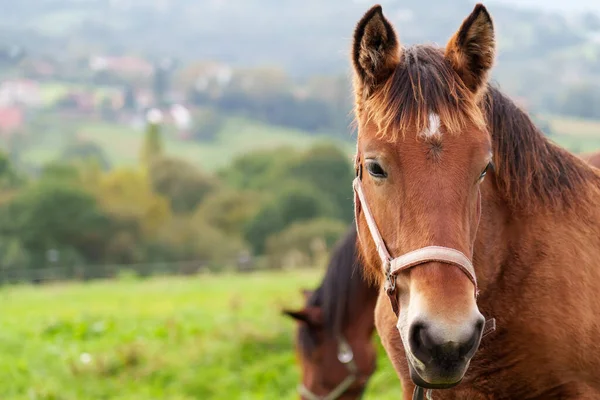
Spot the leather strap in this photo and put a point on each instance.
(434, 253)
(361, 203)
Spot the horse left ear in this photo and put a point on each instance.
(472, 49)
(311, 316)
(375, 50)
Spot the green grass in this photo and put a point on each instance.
(202, 337)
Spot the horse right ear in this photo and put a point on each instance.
(311, 316)
(472, 49)
(375, 50)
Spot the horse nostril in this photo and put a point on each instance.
(469, 347)
(419, 341)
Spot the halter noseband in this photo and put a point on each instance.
(346, 357)
(393, 266)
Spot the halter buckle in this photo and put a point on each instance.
(345, 354)
(390, 279)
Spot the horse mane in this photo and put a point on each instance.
(343, 279)
(422, 83)
(531, 172)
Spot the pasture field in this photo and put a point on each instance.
(176, 338)
(121, 143)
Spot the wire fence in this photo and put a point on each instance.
(14, 275)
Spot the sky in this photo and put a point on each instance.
(555, 5)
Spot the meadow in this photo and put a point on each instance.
(121, 143)
(172, 338)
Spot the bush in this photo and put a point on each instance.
(198, 240)
(304, 243)
(86, 150)
(181, 182)
(295, 202)
(328, 169)
(259, 170)
(229, 210)
(57, 215)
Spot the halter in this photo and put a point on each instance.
(393, 266)
(346, 357)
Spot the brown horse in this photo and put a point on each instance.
(320, 359)
(520, 246)
(324, 359)
(335, 327)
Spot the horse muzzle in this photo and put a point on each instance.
(438, 361)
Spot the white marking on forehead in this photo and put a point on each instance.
(433, 128)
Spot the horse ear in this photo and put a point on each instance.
(306, 293)
(472, 49)
(310, 315)
(375, 50)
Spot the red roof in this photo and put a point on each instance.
(11, 119)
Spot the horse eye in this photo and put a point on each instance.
(484, 173)
(375, 170)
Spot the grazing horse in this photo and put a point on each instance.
(335, 327)
(466, 211)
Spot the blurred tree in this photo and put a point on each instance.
(180, 182)
(309, 238)
(152, 148)
(13, 254)
(129, 101)
(54, 215)
(330, 171)
(9, 178)
(324, 167)
(60, 171)
(229, 210)
(127, 195)
(86, 150)
(259, 169)
(294, 202)
(162, 81)
(197, 240)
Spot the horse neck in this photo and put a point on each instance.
(518, 253)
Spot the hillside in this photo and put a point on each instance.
(312, 36)
(121, 143)
(305, 38)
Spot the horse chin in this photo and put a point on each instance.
(435, 380)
